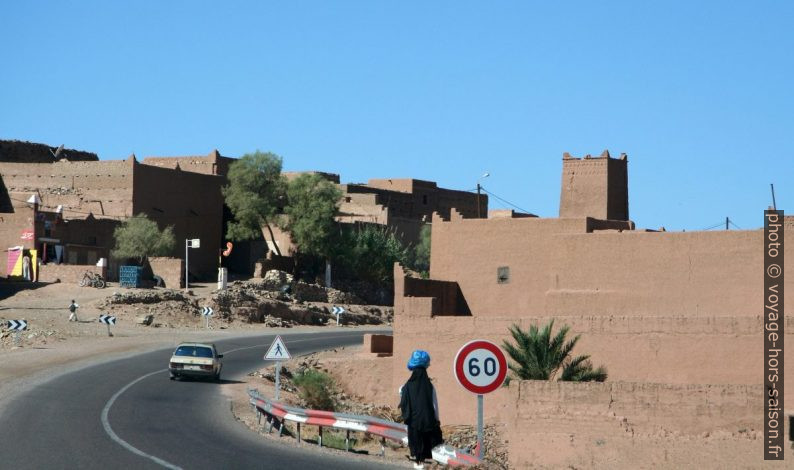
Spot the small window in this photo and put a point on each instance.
(424, 199)
(502, 275)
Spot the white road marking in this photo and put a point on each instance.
(135, 450)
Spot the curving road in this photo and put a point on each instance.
(127, 414)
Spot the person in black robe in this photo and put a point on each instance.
(419, 407)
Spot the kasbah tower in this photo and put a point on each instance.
(676, 318)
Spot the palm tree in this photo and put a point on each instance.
(539, 356)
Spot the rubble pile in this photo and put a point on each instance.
(278, 300)
(146, 296)
(465, 437)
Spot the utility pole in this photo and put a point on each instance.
(478, 199)
(479, 187)
(727, 220)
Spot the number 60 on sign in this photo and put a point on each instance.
(480, 366)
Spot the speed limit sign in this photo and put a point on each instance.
(480, 366)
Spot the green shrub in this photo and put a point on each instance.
(315, 389)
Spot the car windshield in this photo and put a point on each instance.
(195, 351)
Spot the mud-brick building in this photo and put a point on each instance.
(78, 204)
(403, 205)
(676, 317)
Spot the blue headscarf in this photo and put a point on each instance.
(419, 358)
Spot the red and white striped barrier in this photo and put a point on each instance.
(396, 432)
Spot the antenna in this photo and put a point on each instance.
(774, 205)
(57, 152)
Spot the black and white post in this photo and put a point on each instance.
(207, 313)
(107, 320)
(17, 326)
(337, 311)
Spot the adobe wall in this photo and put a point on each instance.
(172, 270)
(192, 203)
(557, 268)
(212, 164)
(617, 424)
(31, 152)
(670, 350)
(103, 188)
(68, 273)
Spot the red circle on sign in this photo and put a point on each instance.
(464, 353)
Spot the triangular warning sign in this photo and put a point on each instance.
(277, 350)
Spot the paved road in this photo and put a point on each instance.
(183, 424)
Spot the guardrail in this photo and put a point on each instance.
(276, 413)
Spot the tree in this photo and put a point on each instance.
(539, 356)
(312, 202)
(255, 194)
(370, 251)
(139, 237)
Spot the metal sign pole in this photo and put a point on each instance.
(16, 338)
(208, 321)
(480, 450)
(186, 271)
(109, 333)
(278, 374)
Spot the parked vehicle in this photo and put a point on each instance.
(92, 279)
(195, 360)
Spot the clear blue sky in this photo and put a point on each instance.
(699, 94)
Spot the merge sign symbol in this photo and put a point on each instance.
(278, 350)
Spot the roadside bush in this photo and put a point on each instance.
(316, 389)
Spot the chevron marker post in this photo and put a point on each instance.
(108, 320)
(336, 310)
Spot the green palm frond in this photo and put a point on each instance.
(537, 354)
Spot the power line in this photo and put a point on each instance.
(503, 200)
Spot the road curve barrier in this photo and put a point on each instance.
(276, 413)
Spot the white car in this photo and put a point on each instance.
(195, 360)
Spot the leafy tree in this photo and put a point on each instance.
(139, 237)
(312, 202)
(539, 356)
(255, 194)
(370, 251)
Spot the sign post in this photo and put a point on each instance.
(480, 367)
(207, 313)
(108, 320)
(190, 243)
(277, 352)
(17, 326)
(337, 311)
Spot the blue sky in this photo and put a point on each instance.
(700, 95)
